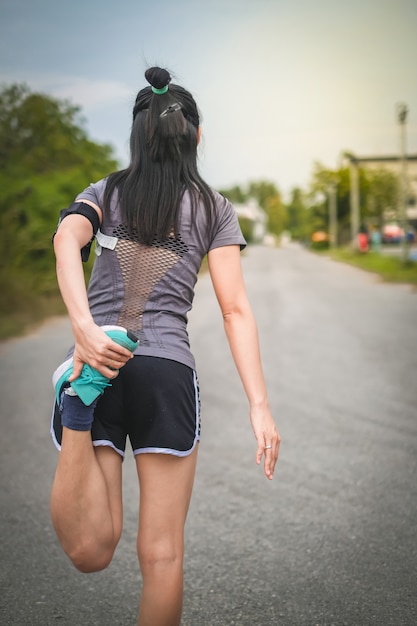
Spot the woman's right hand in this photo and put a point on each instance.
(94, 347)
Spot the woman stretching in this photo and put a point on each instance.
(153, 223)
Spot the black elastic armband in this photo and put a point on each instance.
(81, 208)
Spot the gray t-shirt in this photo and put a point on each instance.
(150, 289)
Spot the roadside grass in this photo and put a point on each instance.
(390, 269)
(26, 302)
(28, 314)
(28, 299)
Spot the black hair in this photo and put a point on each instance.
(163, 165)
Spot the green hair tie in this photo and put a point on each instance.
(160, 91)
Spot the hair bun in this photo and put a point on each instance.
(157, 77)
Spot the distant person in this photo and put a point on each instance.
(376, 240)
(363, 239)
(153, 223)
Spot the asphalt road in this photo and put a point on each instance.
(331, 541)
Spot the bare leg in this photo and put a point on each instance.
(166, 484)
(86, 501)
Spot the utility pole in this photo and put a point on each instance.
(402, 111)
(354, 201)
(332, 214)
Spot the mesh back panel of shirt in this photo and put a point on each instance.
(142, 269)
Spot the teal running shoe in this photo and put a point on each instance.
(90, 384)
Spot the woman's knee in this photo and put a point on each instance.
(92, 554)
(160, 554)
(88, 557)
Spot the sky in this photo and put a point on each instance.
(281, 84)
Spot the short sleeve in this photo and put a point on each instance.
(94, 193)
(227, 230)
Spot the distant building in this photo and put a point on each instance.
(254, 213)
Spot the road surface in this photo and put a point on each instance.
(331, 541)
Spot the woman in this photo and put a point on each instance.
(153, 223)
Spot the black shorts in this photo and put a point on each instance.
(153, 401)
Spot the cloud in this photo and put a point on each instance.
(90, 94)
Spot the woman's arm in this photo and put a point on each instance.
(92, 345)
(240, 326)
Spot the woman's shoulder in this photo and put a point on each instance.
(94, 191)
(100, 186)
(223, 206)
(219, 198)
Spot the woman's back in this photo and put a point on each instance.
(150, 288)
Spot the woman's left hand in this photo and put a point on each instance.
(268, 438)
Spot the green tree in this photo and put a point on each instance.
(277, 215)
(269, 199)
(46, 158)
(235, 194)
(381, 192)
(262, 191)
(319, 191)
(298, 215)
(378, 195)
